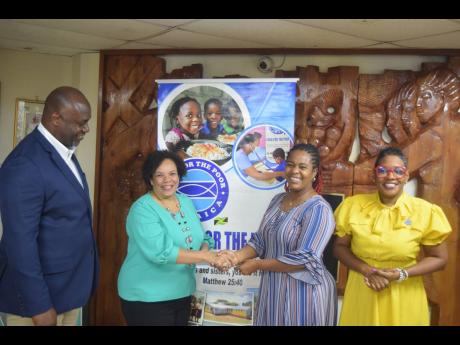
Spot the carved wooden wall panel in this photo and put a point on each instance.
(375, 96)
(326, 115)
(128, 133)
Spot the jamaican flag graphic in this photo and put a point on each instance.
(220, 220)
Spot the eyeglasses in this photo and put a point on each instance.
(382, 171)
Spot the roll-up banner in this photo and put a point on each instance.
(229, 131)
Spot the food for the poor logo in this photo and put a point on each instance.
(205, 183)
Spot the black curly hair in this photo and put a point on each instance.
(154, 160)
(391, 151)
(315, 161)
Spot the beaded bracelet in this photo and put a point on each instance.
(403, 275)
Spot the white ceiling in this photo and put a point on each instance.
(69, 37)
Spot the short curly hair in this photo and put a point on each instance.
(154, 160)
(391, 151)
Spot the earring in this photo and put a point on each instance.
(286, 186)
(314, 179)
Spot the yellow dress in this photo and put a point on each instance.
(388, 237)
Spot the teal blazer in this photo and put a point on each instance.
(149, 272)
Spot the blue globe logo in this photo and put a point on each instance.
(206, 184)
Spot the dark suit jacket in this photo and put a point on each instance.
(48, 253)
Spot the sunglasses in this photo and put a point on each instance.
(397, 171)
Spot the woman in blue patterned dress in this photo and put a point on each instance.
(295, 288)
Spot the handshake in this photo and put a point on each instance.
(224, 260)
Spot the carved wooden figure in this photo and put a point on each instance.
(326, 115)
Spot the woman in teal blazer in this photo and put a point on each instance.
(165, 240)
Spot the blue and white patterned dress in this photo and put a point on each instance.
(296, 237)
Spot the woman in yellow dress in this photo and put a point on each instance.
(379, 237)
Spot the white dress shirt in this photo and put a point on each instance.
(63, 151)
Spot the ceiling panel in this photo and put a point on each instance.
(125, 29)
(138, 45)
(39, 48)
(383, 46)
(183, 39)
(384, 29)
(277, 33)
(168, 22)
(52, 37)
(71, 36)
(445, 41)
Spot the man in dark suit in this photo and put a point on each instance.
(48, 258)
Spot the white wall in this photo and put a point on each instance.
(27, 75)
(34, 76)
(220, 65)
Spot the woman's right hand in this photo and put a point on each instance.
(209, 256)
(372, 278)
(213, 259)
(376, 282)
(367, 270)
(222, 263)
(229, 255)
